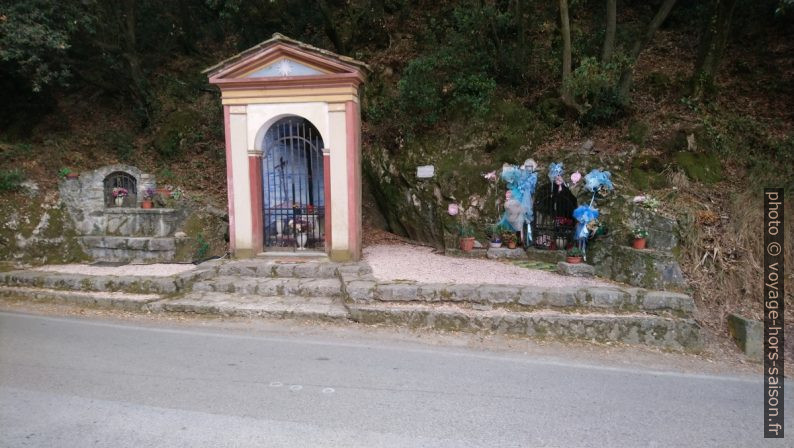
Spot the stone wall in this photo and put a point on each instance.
(35, 228)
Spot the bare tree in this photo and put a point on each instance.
(565, 29)
(624, 85)
(609, 36)
(712, 46)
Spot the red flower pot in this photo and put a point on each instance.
(638, 243)
(467, 244)
(73, 175)
(573, 260)
(511, 244)
(147, 203)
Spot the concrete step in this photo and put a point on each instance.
(242, 305)
(131, 249)
(94, 299)
(271, 286)
(641, 329)
(525, 298)
(269, 268)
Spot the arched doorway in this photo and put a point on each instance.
(292, 186)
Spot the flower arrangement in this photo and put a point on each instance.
(300, 225)
(574, 255)
(648, 202)
(148, 193)
(639, 233)
(119, 192)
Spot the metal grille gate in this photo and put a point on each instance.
(293, 188)
(120, 179)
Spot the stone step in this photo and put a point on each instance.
(640, 329)
(130, 249)
(292, 269)
(81, 282)
(525, 298)
(242, 305)
(272, 286)
(94, 299)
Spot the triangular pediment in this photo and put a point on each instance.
(285, 67)
(283, 59)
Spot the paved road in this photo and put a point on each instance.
(79, 383)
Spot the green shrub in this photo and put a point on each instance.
(638, 132)
(121, 142)
(11, 180)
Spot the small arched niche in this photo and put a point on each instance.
(120, 179)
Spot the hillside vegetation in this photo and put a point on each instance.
(689, 101)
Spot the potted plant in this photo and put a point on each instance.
(640, 235)
(496, 236)
(301, 229)
(119, 194)
(148, 194)
(574, 255)
(466, 234)
(67, 173)
(509, 238)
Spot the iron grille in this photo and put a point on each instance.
(293, 188)
(123, 180)
(553, 224)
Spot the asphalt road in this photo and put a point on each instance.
(68, 382)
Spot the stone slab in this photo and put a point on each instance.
(504, 253)
(748, 335)
(575, 269)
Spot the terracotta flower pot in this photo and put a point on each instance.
(467, 243)
(511, 244)
(638, 243)
(73, 175)
(573, 260)
(147, 203)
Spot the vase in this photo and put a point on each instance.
(302, 238)
(467, 243)
(119, 201)
(279, 228)
(638, 243)
(496, 244)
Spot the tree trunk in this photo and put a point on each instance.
(609, 36)
(712, 47)
(139, 87)
(565, 28)
(330, 27)
(624, 85)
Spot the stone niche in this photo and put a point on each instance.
(121, 233)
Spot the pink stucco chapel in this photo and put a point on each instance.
(292, 121)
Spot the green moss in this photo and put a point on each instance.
(638, 132)
(175, 132)
(700, 167)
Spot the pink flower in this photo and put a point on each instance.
(453, 209)
(576, 177)
(490, 176)
(638, 199)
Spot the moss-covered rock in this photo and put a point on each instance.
(35, 229)
(701, 167)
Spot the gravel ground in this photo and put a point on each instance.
(147, 270)
(401, 262)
